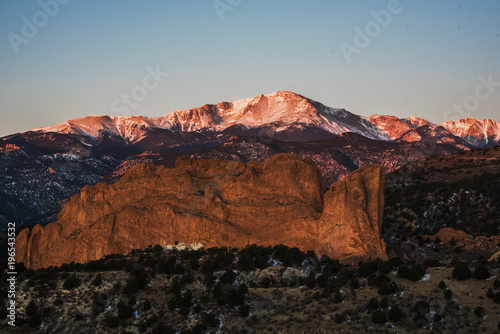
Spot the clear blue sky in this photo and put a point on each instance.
(428, 58)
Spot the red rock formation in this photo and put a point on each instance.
(447, 234)
(351, 223)
(467, 242)
(8, 148)
(217, 203)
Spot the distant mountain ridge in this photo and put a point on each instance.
(277, 113)
(281, 109)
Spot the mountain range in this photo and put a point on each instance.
(285, 116)
(42, 168)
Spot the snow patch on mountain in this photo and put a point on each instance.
(475, 130)
(287, 109)
(280, 112)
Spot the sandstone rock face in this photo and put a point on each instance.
(467, 242)
(216, 203)
(351, 223)
(447, 234)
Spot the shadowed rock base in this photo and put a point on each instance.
(217, 203)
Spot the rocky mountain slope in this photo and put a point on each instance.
(41, 168)
(480, 133)
(217, 203)
(458, 191)
(336, 157)
(35, 178)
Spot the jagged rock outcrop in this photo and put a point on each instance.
(467, 242)
(351, 223)
(217, 203)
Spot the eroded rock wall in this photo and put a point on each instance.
(217, 203)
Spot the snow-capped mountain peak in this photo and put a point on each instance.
(279, 113)
(417, 121)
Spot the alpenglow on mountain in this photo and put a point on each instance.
(280, 114)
